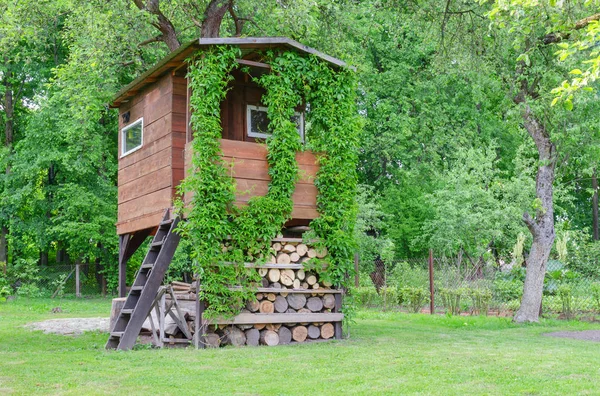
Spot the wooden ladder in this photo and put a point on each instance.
(145, 287)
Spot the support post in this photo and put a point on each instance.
(338, 325)
(431, 288)
(123, 242)
(77, 281)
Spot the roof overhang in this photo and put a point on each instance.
(177, 58)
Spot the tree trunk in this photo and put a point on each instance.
(542, 227)
(213, 16)
(168, 35)
(3, 249)
(9, 125)
(594, 207)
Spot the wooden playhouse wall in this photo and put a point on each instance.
(148, 177)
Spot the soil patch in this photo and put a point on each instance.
(586, 335)
(71, 326)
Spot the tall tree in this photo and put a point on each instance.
(534, 27)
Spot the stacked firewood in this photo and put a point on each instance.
(285, 287)
(267, 334)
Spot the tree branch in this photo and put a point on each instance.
(556, 37)
(168, 36)
(530, 223)
(151, 40)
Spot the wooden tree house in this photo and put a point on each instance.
(155, 151)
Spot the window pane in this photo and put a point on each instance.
(259, 123)
(133, 137)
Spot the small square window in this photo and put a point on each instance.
(132, 137)
(258, 122)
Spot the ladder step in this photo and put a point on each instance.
(157, 244)
(137, 288)
(147, 265)
(165, 223)
(116, 333)
(127, 311)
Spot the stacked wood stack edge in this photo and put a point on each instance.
(292, 305)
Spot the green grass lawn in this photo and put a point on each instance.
(388, 353)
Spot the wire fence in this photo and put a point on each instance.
(461, 286)
(59, 280)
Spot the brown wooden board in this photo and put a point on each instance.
(147, 184)
(140, 223)
(252, 318)
(146, 204)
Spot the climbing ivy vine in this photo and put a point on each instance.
(224, 236)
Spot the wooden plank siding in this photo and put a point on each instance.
(147, 177)
(249, 168)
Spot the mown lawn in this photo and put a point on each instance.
(389, 353)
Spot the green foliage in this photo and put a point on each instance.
(29, 290)
(508, 286)
(213, 220)
(369, 231)
(413, 297)
(595, 289)
(451, 299)
(565, 293)
(404, 274)
(481, 298)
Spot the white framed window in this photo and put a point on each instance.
(258, 122)
(132, 137)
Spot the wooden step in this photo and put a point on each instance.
(116, 333)
(127, 311)
(137, 288)
(164, 223)
(157, 244)
(147, 266)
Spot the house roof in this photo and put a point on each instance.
(177, 58)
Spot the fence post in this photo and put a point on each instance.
(431, 288)
(77, 290)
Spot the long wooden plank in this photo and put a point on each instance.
(159, 108)
(242, 168)
(251, 318)
(150, 203)
(140, 223)
(303, 212)
(145, 166)
(147, 184)
(304, 194)
(257, 151)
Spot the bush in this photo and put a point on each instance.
(404, 275)
(367, 296)
(451, 299)
(481, 300)
(29, 290)
(414, 297)
(508, 290)
(595, 289)
(5, 289)
(565, 293)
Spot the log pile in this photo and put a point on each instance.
(267, 334)
(285, 287)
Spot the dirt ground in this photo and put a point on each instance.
(587, 335)
(70, 326)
